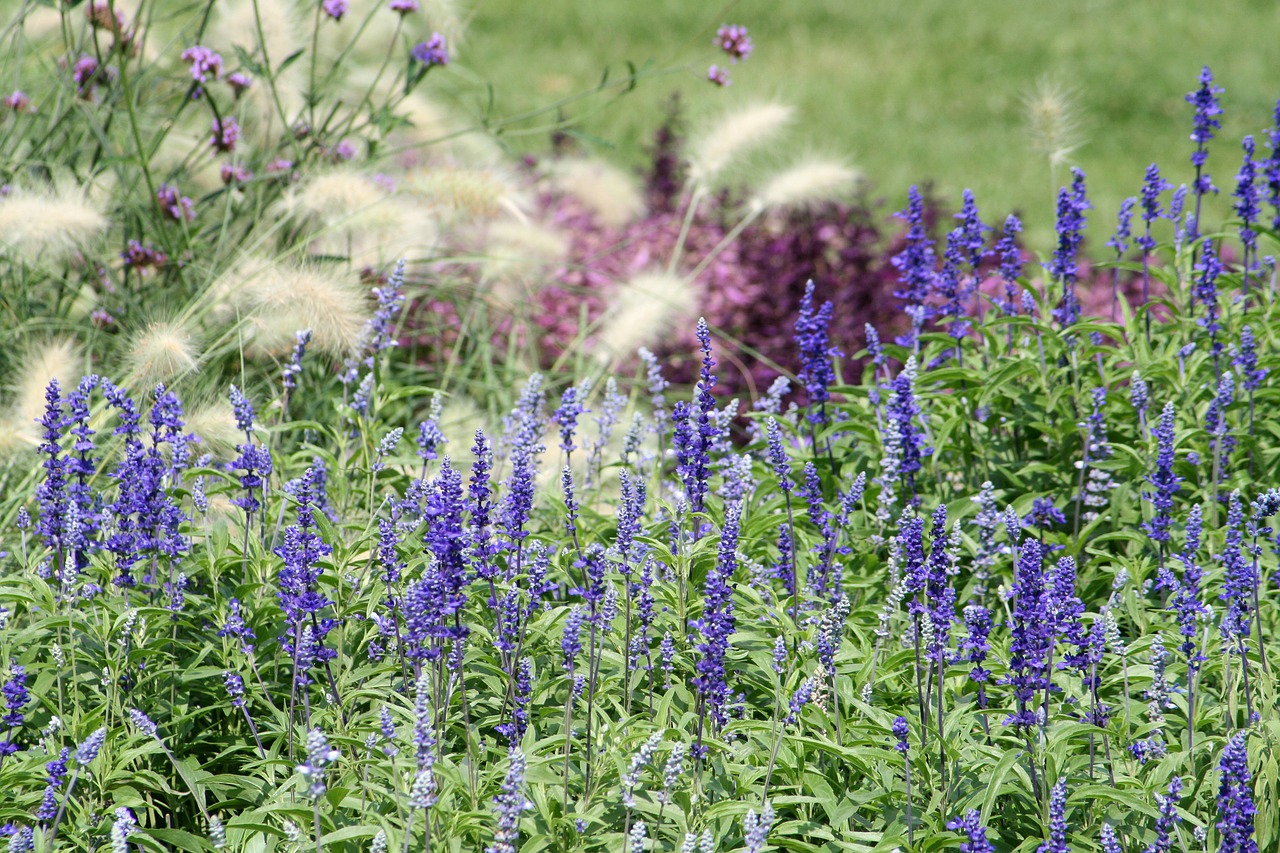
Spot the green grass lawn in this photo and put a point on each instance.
(929, 90)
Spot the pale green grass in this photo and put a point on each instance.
(927, 90)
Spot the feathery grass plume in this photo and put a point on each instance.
(275, 300)
(720, 145)
(48, 224)
(215, 425)
(435, 133)
(607, 191)
(1053, 121)
(466, 194)
(644, 310)
(283, 31)
(352, 214)
(56, 359)
(164, 351)
(517, 258)
(805, 185)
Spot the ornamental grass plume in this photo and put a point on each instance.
(518, 258)
(458, 194)
(212, 426)
(347, 213)
(807, 184)
(723, 144)
(164, 351)
(643, 312)
(283, 33)
(1053, 121)
(276, 300)
(47, 225)
(609, 193)
(58, 359)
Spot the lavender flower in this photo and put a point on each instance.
(1108, 841)
(204, 63)
(143, 723)
(1057, 840)
(1247, 207)
(1119, 240)
(1168, 818)
(716, 624)
(1204, 122)
(235, 688)
(567, 414)
(293, 369)
(642, 759)
(900, 731)
(1239, 581)
(174, 205)
(1072, 205)
(511, 803)
(1235, 798)
(1164, 481)
(1032, 636)
(1010, 263)
(975, 833)
(90, 747)
(756, 828)
(16, 697)
(1206, 291)
(319, 756)
(1246, 358)
(915, 263)
(816, 354)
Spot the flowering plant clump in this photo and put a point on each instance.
(1005, 557)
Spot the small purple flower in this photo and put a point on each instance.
(239, 82)
(719, 76)
(226, 132)
(432, 52)
(403, 7)
(174, 205)
(18, 101)
(335, 8)
(204, 63)
(733, 40)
